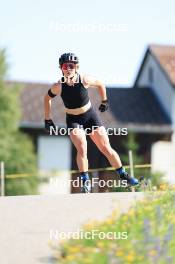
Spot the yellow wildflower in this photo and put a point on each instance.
(153, 253)
(70, 257)
(131, 257)
(109, 221)
(100, 244)
(74, 250)
(131, 213)
(119, 253)
(163, 187)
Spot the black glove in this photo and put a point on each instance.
(49, 123)
(104, 106)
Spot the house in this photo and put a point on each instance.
(157, 71)
(147, 109)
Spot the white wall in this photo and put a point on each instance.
(163, 159)
(163, 89)
(59, 184)
(54, 153)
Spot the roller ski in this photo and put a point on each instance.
(145, 184)
(140, 184)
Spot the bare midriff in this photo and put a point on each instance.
(78, 111)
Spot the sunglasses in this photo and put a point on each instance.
(66, 66)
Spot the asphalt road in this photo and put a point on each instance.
(26, 221)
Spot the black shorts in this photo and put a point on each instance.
(88, 120)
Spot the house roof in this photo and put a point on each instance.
(136, 109)
(164, 55)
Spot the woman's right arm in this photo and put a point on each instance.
(53, 91)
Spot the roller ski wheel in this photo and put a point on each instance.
(143, 185)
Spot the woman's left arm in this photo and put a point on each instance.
(89, 82)
(92, 82)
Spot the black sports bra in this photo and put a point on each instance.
(74, 96)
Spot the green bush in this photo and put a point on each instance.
(16, 149)
(150, 229)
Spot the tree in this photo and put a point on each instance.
(16, 149)
(133, 145)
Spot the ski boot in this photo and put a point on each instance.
(85, 183)
(131, 181)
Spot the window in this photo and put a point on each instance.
(150, 75)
